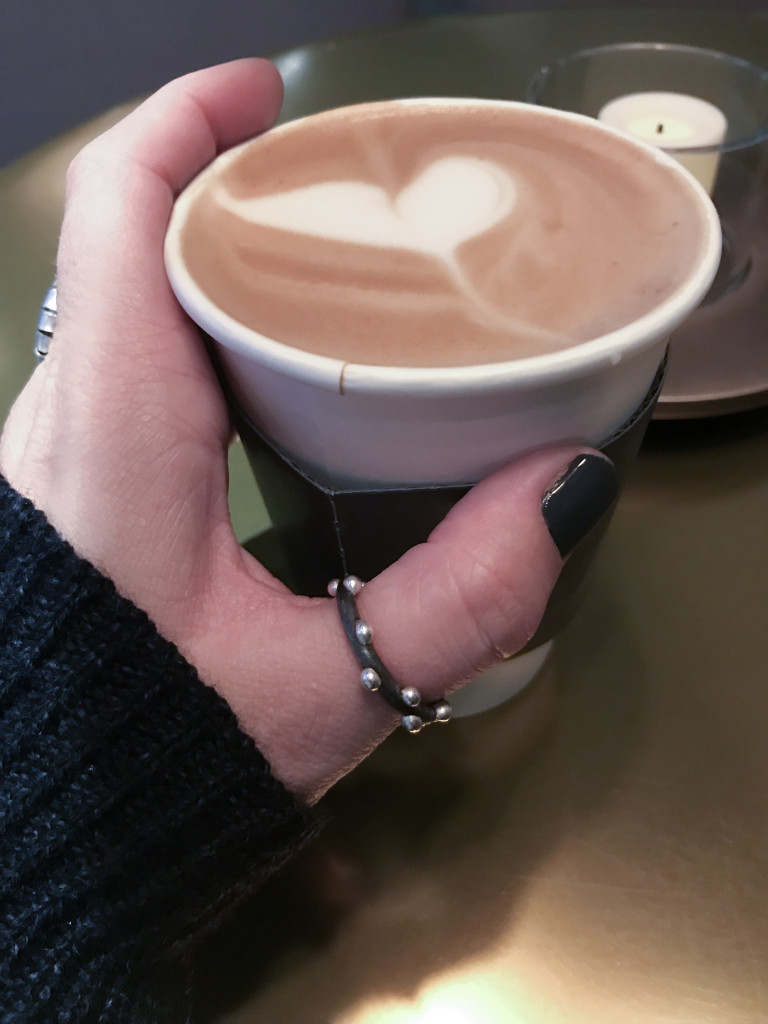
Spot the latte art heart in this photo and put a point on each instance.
(452, 200)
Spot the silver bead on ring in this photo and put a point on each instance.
(412, 723)
(364, 632)
(411, 696)
(353, 584)
(370, 679)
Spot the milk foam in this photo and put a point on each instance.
(422, 235)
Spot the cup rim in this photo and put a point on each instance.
(338, 375)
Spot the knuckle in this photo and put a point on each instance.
(503, 608)
(80, 169)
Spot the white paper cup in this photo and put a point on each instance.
(375, 425)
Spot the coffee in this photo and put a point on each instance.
(429, 233)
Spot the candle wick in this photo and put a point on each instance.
(659, 129)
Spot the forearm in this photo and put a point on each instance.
(133, 810)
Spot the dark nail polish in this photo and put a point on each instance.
(574, 505)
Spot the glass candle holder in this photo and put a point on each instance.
(709, 110)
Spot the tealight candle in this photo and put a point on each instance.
(688, 127)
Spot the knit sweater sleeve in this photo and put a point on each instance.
(133, 811)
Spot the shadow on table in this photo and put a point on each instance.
(432, 842)
(697, 458)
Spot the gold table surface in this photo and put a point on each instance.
(595, 851)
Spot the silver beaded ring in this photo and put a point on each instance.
(414, 713)
(46, 322)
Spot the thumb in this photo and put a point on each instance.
(449, 608)
(476, 592)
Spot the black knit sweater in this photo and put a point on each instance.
(133, 811)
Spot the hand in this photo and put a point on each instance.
(121, 438)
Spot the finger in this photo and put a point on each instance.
(478, 589)
(121, 187)
(185, 124)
